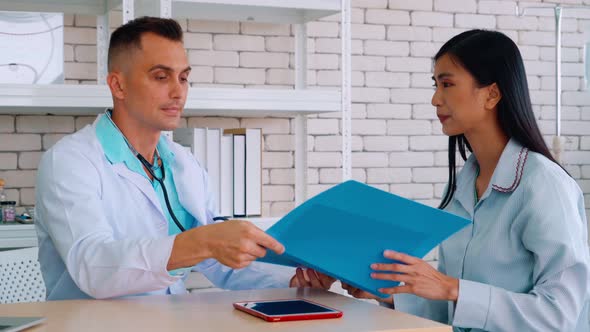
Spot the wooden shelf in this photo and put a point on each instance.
(268, 11)
(93, 99)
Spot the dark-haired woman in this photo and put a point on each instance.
(522, 265)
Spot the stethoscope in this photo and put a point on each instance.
(151, 168)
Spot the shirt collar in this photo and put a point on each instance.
(116, 149)
(510, 168)
(506, 177)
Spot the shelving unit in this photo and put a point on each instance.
(268, 11)
(296, 103)
(93, 99)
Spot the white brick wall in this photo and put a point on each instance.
(265, 29)
(213, 27)
(411, 5)
(29, 160)
(386, 143)
(201, 41)
(264, 60)
(432, 19)
(409, 33)
(389, 111)
(387, 48)
(85, 53)
(334, 143)
(6, 124)
(214, 58)
(497, 7)
(455, 6)
(334, 46)
(409, 64)
(387, 17)
(240, 75)
(389, 175)
(8, 161)
(397, 140)
(238, 43)
(20, 142)
(475, 21)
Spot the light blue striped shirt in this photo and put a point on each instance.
(523, 263)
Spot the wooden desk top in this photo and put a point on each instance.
(212, 312)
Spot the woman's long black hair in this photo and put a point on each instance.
(491, 57)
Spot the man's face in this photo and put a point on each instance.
(155, 82)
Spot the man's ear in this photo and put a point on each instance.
(494, 96)
(116, 83)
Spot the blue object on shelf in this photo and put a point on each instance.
(341, 231)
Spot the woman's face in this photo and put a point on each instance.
(461, 106)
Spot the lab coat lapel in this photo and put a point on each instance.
(141, 183)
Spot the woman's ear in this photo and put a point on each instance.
(494, 96)
(116, 84)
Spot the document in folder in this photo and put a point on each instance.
(341, 231)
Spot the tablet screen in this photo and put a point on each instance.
(286, 307)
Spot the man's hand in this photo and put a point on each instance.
(234, 243)
(311, 278)
(237, 243)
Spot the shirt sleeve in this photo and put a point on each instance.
(418, 306)
(256, 276)
(554, 231)
(70, 206)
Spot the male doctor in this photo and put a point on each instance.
(114, 198)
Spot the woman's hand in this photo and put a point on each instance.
(418, 276)
(311, 278)
(361, 294)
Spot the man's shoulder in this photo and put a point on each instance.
(80, 143)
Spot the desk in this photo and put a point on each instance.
(213, 312)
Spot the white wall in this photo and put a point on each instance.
(397, 140)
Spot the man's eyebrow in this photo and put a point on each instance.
(166, 68)
(162, 67)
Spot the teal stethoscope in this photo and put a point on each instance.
(158, 163)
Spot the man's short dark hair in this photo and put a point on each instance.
(128, 36)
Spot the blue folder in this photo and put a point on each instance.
(341, 231)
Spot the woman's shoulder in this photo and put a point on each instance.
(541, 173)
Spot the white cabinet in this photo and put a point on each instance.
(14, 236)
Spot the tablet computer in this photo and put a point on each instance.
(287, 310)
(13, 324)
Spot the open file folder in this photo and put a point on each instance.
(341, 231)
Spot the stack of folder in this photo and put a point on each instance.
(345, 229)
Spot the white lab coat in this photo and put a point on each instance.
(102, 232)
